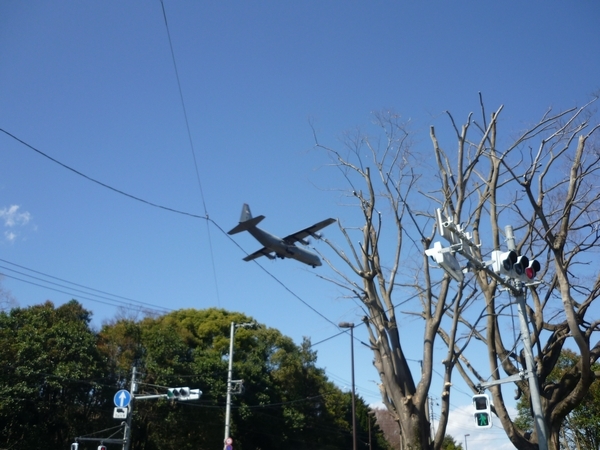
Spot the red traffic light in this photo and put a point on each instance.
(532, 269)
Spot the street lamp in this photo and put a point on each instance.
(466, 441)
(351, 326)
(229, 376)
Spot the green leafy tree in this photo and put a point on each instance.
(449, 443)
(59, 377)
(287, 402)
(581, 428)
(49, 377)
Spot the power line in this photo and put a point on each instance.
(197, 216)
(117, 300)
(123, 305)
(93, 180)
(166, 208)
(75, 284)
(192, 149)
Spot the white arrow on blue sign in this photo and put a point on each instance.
(122, 398)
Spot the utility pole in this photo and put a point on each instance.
(351, 326)
(536, 403)
(229, 375)
(230, 382)
(127, 430)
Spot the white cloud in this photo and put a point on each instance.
(12, 219)
(462, 423)
(10, 236)
(461, 426)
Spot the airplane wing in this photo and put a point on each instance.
(299, 236)
(262, 252)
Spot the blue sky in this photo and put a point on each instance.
(93, 85)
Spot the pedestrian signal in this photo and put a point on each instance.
(483, 411)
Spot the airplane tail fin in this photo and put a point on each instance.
(246, 221)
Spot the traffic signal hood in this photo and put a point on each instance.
(521, 264)
(502, 262)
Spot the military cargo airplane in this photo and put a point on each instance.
(277, 247)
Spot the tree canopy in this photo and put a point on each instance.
(51, 377)
(581, 427)
(59, 378)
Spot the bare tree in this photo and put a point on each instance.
(387, 175)
(544, 182)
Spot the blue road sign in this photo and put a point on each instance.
(122, 398)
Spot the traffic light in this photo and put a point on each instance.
(515, 266)
(483, 411)
(531, 270)
(75, 446)
(178, 393)
(102, 447)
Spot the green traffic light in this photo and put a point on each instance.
(483, 420)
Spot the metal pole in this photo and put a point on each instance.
(353, 389)
(536, 403)
(127, 430)
(466, 441)
(351, 326)
(229, 375)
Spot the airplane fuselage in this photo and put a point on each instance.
(284, 250)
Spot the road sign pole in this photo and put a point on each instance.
(127, 430)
